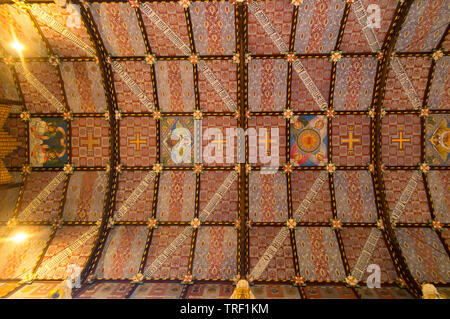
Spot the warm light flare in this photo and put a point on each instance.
(16, 45)
(18, 238)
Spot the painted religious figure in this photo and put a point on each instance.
(308, 140)
(438, 140)
(177, 141)
(48, 142)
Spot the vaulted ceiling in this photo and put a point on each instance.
(362, 112)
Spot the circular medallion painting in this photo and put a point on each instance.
(308, 141)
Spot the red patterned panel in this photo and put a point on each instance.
(18, 130)
(281, 267)
(84, 87)
(140, 72)
(417, 69)
(354, 39)
(118, 27)
(90, 141)
(320, 209)
(34, 184)
(176, 196)
(227, 208)
(417, 209)
(106, 290)
(213, 27)
(175, 82)
(354, 240)
(122, 253)
(351, 140)
(279, 14)
(215, 253)
(8, 89)
(157, 291)
(47, 75)
(173, 15)
(37, 290)
(406, 127)
(217, 150)
(272, 123)
(329, 292)
(267, 84)
(137, 141)
(225, 71)
(267, 197)
(71, 19)
(275, 291)
(320, 72)
(85, 196)
(210, 291)
(128, 182)
(63, 238)
(176, 266)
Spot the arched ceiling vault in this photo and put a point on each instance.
(245, 30)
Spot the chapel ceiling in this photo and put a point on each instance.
(100, 94)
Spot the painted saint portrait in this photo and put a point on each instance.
(48, 142)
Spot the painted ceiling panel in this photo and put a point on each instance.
(354, 39)
(176, 198)
(417, 70)
(157, 291)
(70, 18)
(267, 85)
(281, 267)
(439, 93)
(279, 14)
(439, 182)
(355, 79)
(424, 254)
(84, 89)
(227, 209)
(106, 290)
(215, 254)
(175, 81)
(319, 256)
(123, 252)
(354, 240)
(384, 293)
(118, 26)
(172, 14)
(355, 196)
(209, 291)
(8, 198)
(424, 26)
(214, 28)
(128, 182)
(417, 210)
(85, 196)
(47, 75)
(225, 70)
(336, 167)
(49, 207)
(318, 26)
(8, 89)
(320, 72)
(141, 73)
(176, 266)
(63, 238)
(329, 292)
